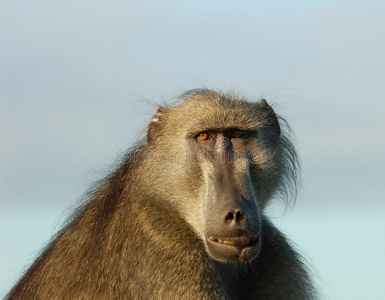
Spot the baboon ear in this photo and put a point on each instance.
(155, 125)
(271, 119)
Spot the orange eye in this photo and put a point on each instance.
(238, 134)
(204, 136)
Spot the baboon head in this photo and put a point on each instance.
(219, 160)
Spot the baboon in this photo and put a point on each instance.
(182, 217)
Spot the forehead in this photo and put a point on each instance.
(214, 111)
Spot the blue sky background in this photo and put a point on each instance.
(77, 79)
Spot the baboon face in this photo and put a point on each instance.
(220, 168)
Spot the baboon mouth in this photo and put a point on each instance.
(240, 243)
(243, 249)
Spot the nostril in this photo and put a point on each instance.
(239, 216)
(236, 215)
(229, 216)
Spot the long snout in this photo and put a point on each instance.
(233, 224)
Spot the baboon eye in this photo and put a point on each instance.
(238, 134)
(203, 136)
(206, 135)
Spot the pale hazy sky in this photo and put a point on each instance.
(78, 79)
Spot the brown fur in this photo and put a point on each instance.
(140, 235)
